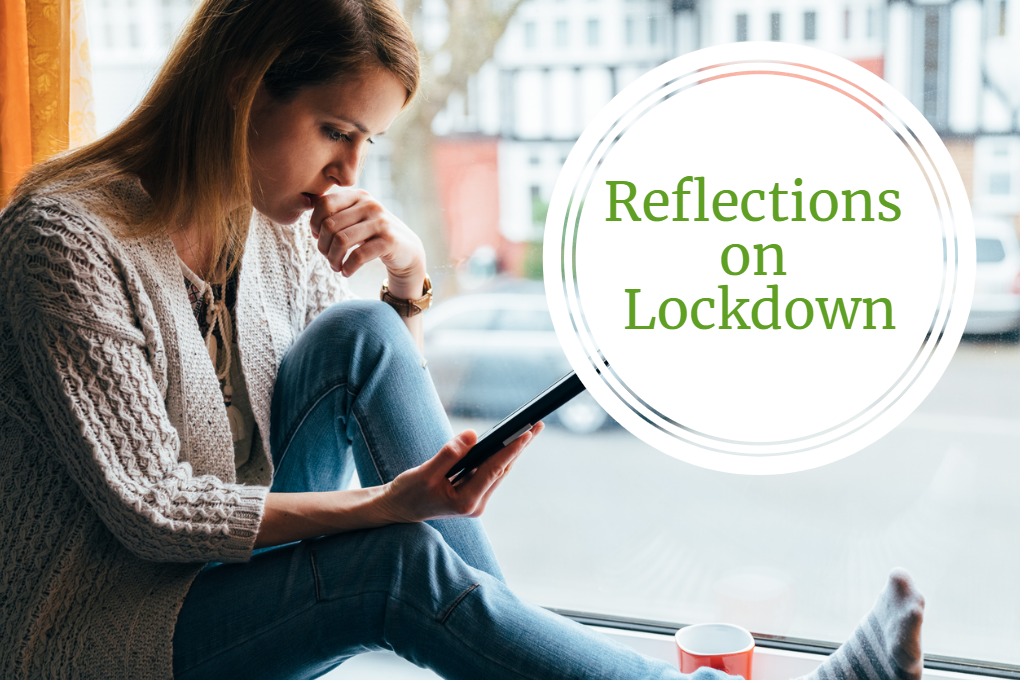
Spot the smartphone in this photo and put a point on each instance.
(516, 424)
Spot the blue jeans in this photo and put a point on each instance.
(351, 393)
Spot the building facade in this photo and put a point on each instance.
(560, 61)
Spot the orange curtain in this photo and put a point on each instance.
(45, 90)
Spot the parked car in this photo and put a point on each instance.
(996, 305)
(490, 353)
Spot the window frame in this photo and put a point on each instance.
(815, 648)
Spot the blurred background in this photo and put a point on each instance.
(594, 521)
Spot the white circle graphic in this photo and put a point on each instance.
(759, 258)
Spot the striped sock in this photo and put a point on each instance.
(887, 644)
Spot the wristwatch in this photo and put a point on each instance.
(407, 308)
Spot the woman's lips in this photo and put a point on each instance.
(310, 199)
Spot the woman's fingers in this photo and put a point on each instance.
(337, 236)
(363, 254)
(364, 210)
(352, 229)
(348, 258)
(494, 486)
(480, 484)
(330, 204)
(424, 492)
(450, 453)
(453, 451)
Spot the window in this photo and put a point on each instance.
(741, 27)
(775, 25)
(593, 32)
(134, 40)
(996, 169)
(600, 523)
(529, 34)
(990, 250)
(810, 25)
(562, 33)
(999, 183)
(168, 25)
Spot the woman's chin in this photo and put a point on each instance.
(283, 215)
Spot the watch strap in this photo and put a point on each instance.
(408, 308)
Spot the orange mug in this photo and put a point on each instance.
(725, 647)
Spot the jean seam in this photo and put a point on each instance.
(316, 573)
(369, 448)
(355, 415)
(304, 414)
(458, 600)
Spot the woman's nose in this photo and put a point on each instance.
(344, 170)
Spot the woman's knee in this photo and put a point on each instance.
(363, 321)
(408, 562)
(348, 338)
(412, 549)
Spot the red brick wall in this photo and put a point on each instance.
(467, 178)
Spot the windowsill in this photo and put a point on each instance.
(769, 663)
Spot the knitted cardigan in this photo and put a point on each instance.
(117, 480)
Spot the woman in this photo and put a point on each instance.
(182, 395)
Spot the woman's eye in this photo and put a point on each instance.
(335, 135)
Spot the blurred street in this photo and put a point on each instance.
(603, 523)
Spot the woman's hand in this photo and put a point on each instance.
(352, 229)
(415, 495)
(424, 492)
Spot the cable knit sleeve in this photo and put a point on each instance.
(85, 335)
(325, 286)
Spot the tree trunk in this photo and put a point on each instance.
(474, 28)
(414, 178)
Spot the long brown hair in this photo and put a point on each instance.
(189, 136)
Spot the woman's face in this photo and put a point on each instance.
(301, 148)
